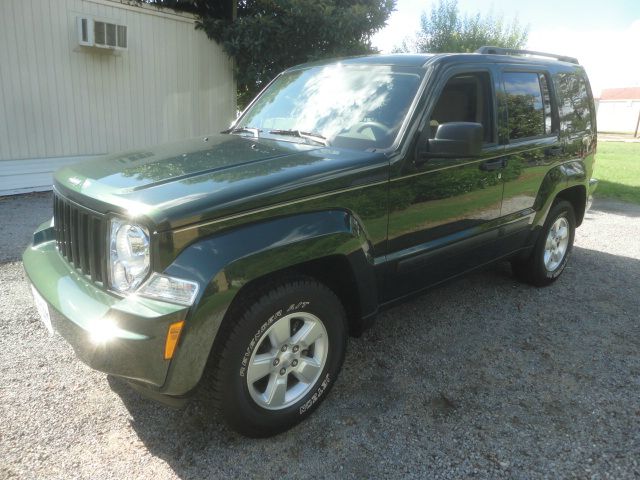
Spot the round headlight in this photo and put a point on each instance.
(128, 255)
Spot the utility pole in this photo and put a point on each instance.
(637, 125)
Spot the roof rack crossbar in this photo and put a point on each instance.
(513, 51)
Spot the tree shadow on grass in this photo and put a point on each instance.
(621, 199)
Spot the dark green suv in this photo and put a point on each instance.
(345, 187)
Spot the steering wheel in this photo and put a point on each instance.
(374, 126)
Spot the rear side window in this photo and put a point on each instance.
(528, 104)
(574, 105)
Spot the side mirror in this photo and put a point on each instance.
(455, 140)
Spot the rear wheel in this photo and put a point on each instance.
(551, 252)
(280, 358)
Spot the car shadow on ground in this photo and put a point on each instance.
(484, 360)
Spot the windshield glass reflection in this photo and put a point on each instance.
(350, 106)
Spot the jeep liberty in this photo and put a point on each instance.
(345, 187)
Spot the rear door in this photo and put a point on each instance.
(531, 136)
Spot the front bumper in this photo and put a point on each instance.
(133, 345)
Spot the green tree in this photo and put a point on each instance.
(268, 36)
(444, 29)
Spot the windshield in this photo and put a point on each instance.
(350, 106)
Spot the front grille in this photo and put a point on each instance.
(81, 237)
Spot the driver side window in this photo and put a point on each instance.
(465, 98)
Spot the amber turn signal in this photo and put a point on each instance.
(173, 335)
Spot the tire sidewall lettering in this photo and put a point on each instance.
(556, 273)
(316, 395)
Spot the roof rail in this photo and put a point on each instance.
(514, 51)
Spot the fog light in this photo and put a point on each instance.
(169, 289)
(102, 330)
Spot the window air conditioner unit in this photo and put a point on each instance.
(101, 34)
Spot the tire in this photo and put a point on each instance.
(552, 249)
(280, 357)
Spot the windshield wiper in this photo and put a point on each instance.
(314, 137)
(252, 130)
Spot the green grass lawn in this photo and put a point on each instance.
(618, 170)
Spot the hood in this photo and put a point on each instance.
(199, 179)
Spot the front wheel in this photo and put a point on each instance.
(280, 358)
(551, 252)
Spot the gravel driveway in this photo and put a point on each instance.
(484, 377)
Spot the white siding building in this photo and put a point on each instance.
(159, 79)
(619, 110)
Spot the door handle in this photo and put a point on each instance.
(491, 165)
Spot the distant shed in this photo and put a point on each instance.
(619, 110)
(86, 77)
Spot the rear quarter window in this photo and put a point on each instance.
(574, 105)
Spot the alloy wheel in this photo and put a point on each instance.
(287, 361)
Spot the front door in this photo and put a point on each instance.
(444, 213)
